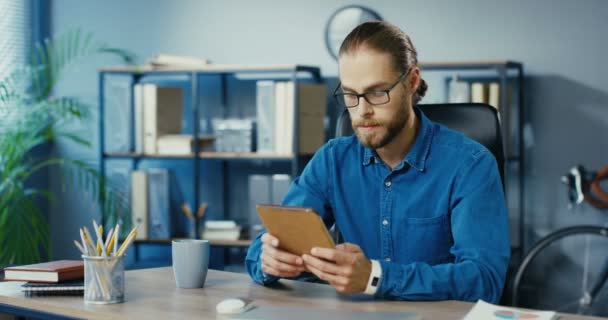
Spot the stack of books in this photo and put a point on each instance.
(164, 60)
(182, 144)
(62, 277)
(221, 230)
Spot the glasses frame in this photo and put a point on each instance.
(339, 96)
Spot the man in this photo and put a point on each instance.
(421, 207)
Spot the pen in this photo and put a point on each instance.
(116, 238)
(109, 240)
(80, 248)
(101, 249)
(84, 242)
(89, 241)
(127, 242)
(98, 232)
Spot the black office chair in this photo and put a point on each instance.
(477, 121)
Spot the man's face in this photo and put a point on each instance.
(366, 70)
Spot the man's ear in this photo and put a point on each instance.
(413, 80)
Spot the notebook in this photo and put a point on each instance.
(483, 310)
(54, 271)
(66, 288)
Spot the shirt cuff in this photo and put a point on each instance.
(266, 278)
(374, 278)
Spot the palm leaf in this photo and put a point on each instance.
(38, 117)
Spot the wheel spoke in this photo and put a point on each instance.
(586, 267)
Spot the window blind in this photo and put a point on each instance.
(15, 39)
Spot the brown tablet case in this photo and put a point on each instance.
(298, 229)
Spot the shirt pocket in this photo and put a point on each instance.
(426, 240)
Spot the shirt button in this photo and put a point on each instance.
(387, 184)
(387, 259)
(384, 222)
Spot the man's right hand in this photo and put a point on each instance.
(277, 262)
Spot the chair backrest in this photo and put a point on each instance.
(477, 121)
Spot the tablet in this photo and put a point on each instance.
(298, 229)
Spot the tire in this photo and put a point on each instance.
(548, 277)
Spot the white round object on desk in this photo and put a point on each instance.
(231, 306)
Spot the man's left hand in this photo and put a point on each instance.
(346, 268)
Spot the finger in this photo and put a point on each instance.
(334, 280)
(327, 267)
(278, 265)
(282, 256)
(349, 247)
(274, 272)
(339, 257)
(270, 239)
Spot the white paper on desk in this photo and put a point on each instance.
(299, 313)
(487, 311)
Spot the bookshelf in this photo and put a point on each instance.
(197, 83)
(510, 78)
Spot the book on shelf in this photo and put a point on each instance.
(139, 203)
(259, 192)
(280, 184)
(159, 217)
(483, 310)
(63, 288)
(150, 206)
(265, 189)
(479, 92)
(221, 230)
(265, 112)
(182, 144)
(494, 95)
(162, 114)
(117, 114)
(138, 110)
(278, 116)
(172, 60)
(459, 91)
(118, 178)
(53, 271)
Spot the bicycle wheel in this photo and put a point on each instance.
(561, 271)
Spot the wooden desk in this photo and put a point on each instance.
(151, 294)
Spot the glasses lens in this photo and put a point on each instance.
(377, 97)
(349, 100)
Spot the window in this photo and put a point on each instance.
(15, 39)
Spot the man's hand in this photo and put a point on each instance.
(277, 262)
(346, 268)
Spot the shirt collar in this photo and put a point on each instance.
(418, 154)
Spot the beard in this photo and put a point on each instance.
(383, 133)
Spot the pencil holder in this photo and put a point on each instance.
(104, 279)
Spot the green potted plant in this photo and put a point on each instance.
(32, 116)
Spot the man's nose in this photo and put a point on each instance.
(364, 107)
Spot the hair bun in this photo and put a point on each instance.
(421, 91)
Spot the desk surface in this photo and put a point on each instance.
(151, 294)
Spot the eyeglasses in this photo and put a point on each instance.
(376, 97)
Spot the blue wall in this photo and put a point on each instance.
(562, 45)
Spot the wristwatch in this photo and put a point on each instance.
(374, 278)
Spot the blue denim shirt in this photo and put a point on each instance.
(437, 223)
